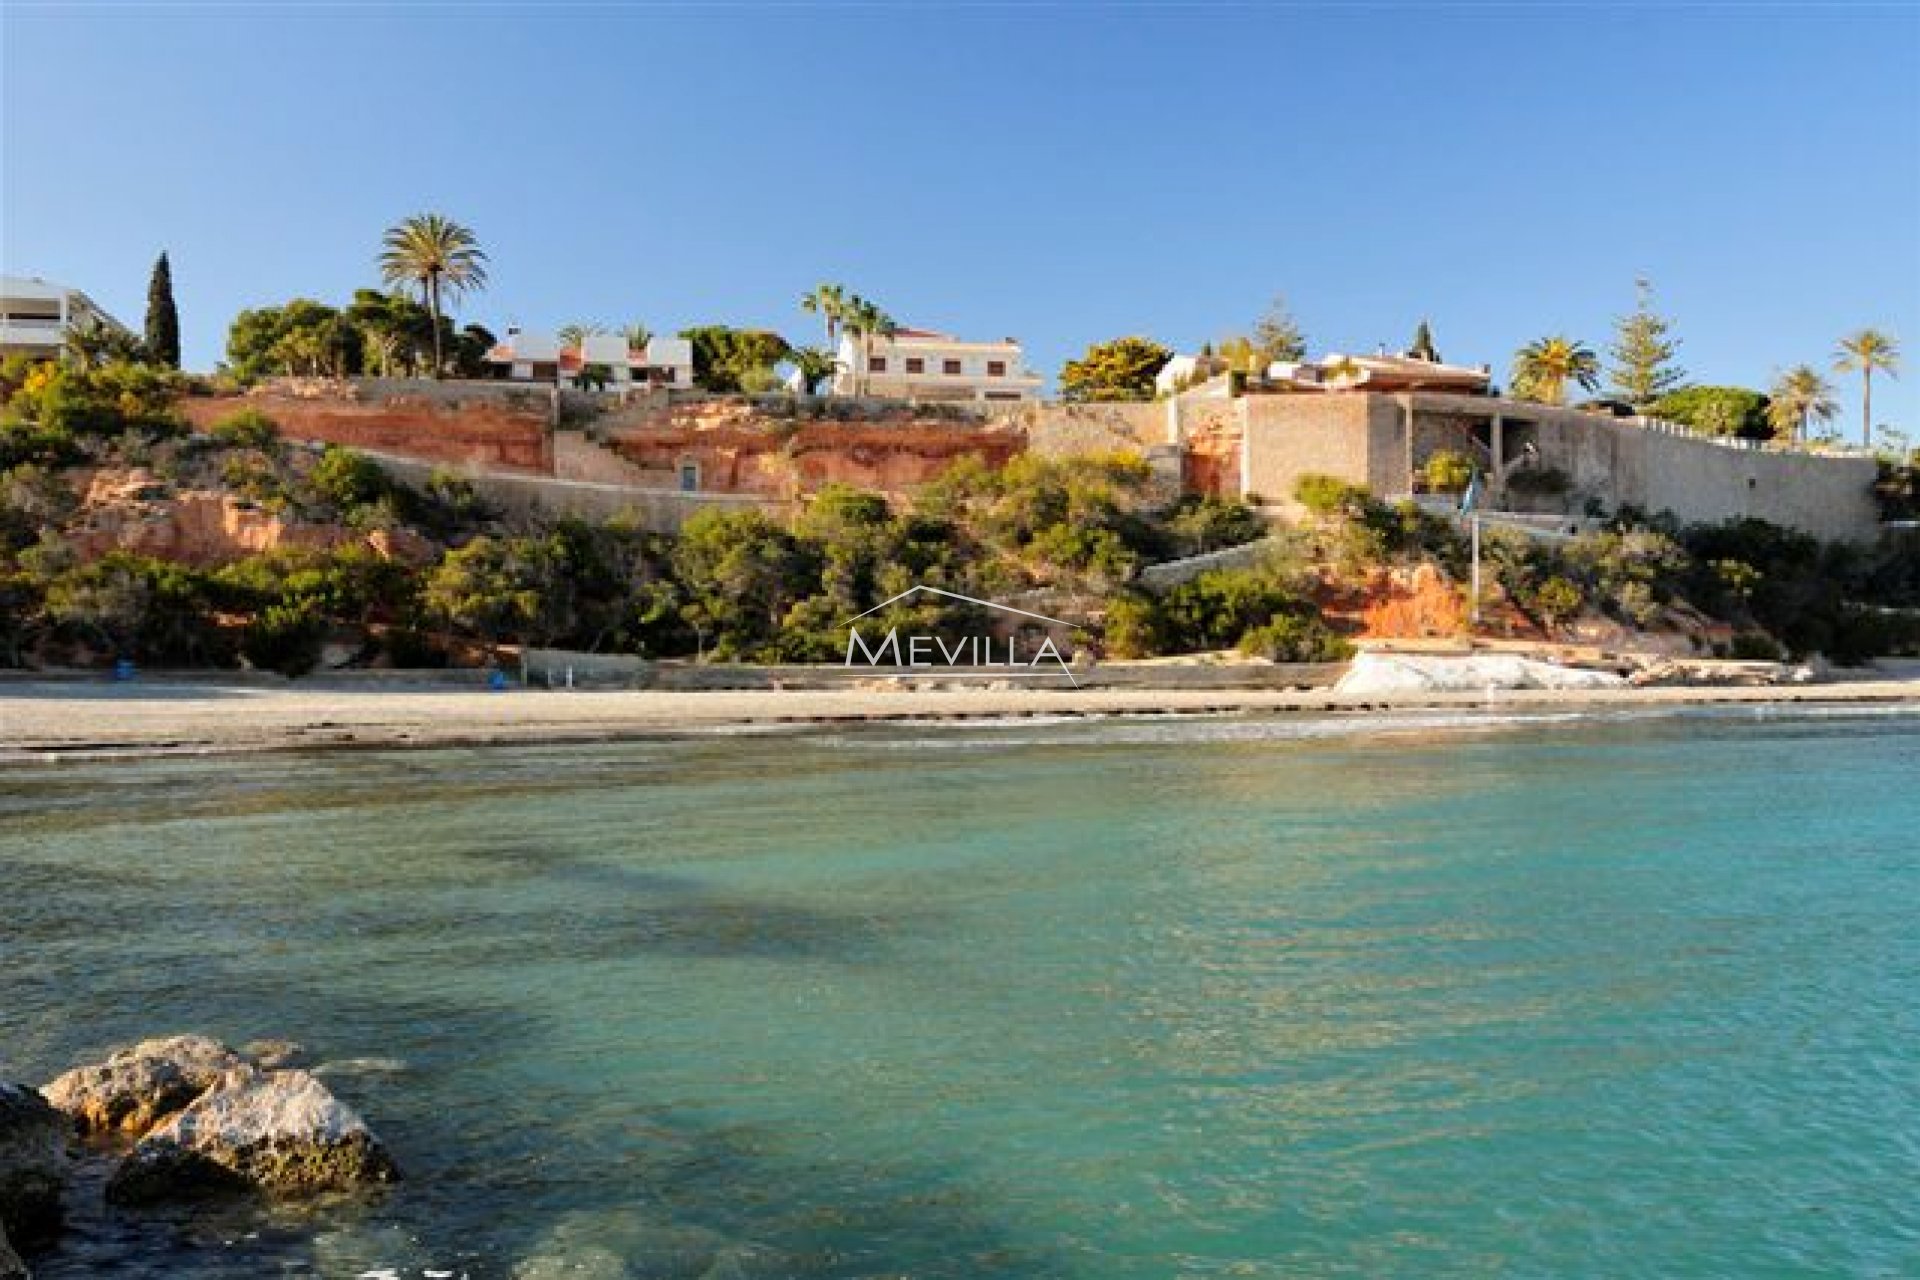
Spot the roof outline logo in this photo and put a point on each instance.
(989, 658)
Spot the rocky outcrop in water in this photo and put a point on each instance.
(34, 1165)
(11, 1268)
(282, 1133)
(139, 1087)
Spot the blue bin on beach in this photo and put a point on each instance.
(123, 669)
(497, 680)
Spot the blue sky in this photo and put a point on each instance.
(1059, 172)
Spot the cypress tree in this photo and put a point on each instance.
(1423, 348)
(163, 318)
(1642, 367)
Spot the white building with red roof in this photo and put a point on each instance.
(920, 364)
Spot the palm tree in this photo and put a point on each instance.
(440, 256)
(830, 301)
(1800, 398)
(1862, 353)
(814, 365)
(1543, 368)
(867, 321)
(637, 336)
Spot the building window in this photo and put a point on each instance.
(916, 365)
(996, 368)
(950, 367)
(689, 477)
(669, 374)
(876, 364)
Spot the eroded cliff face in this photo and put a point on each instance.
(130, 509)
(739, 452)
(505, 428)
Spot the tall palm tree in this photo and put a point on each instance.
(1800, 398)
(867, 321)
(440, 256)
(1862, 353)
(830, 301)
(1543, 368)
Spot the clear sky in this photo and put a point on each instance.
(1059, 172)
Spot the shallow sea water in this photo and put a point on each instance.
(1438, 996)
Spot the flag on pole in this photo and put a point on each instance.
(1471, 498)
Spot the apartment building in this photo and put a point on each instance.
(36, 316)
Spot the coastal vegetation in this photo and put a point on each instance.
(441, 258)
(1122, 369)
(1546, 367)
(163, 317)
(1642, 366)
(1866, 352)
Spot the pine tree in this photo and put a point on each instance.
(1423, 348)
(163, 318)
(1277, 336)
(1642, 368)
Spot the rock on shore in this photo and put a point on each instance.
(138, 1087)
(208, 1119)
(278, 1132)
(1389, 673)
(34, 1164)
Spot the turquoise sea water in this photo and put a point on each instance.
(1610, 998)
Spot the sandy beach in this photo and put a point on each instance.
(51, 720)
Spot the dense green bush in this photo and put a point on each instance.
(1722, 411)
(1296, 637)
(246, 429)
(1328, 498)
(1448, 472)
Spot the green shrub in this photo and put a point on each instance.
(246, 429)
(1556, 600)
(1296, 637)
(1327, 497)
(1448, 472)
(1722, 411)
(1755, 646)
(344, 479)
(285, 637)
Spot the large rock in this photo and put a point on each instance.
(137, 1088)
(278, 1132)
(1390, 673)
(11, 1268)
(34, 1163)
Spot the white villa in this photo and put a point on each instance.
(35, 316)
(540, 357)
(919, 364)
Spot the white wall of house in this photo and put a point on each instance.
(528, 357)
(35, 315)
(934, 367)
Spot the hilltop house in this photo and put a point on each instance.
(539, 357)
(1381, 373)
(919, 364)
(35, 316)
